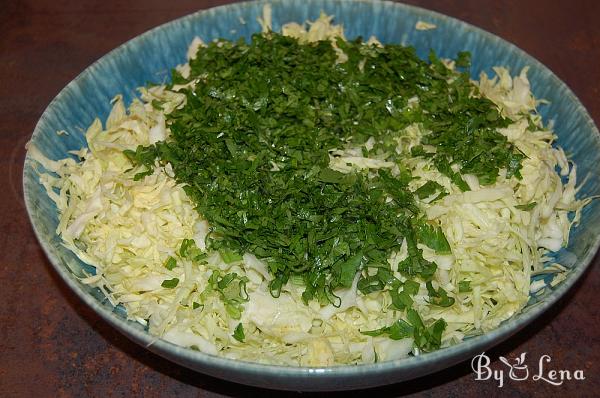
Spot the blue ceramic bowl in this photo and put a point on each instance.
(150, 56)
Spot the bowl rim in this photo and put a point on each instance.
(203, 362)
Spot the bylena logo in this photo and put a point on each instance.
(519, 371)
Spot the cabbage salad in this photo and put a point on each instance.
(306, 200)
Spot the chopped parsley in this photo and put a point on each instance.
(464, 286)
(170, 283)
(231, 289)
(252, 146)
(238, 333)
(171, 263)
(426, 338)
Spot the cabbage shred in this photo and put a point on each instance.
(391, 205)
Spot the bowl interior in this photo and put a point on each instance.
(149, 58)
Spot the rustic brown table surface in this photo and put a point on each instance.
(52, 345)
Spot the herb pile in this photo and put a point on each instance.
(252, 146)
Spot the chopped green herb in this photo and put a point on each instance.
(156, 104)
(432, 237)
(170, 283)
(254, 156)
(411, 287)
(439, 297)
(463, 59)
(426, 338)
(238, 333)
(377, 282)
(232, 291)
(429, 188)
(402, 299)
(229, 256)
(526, 207)
(396, 331)
(190, 251)
(464, 286)
(171, 263)
(345, 271)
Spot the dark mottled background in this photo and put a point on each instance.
(51, 345)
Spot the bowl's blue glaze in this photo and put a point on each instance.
(150, 56)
